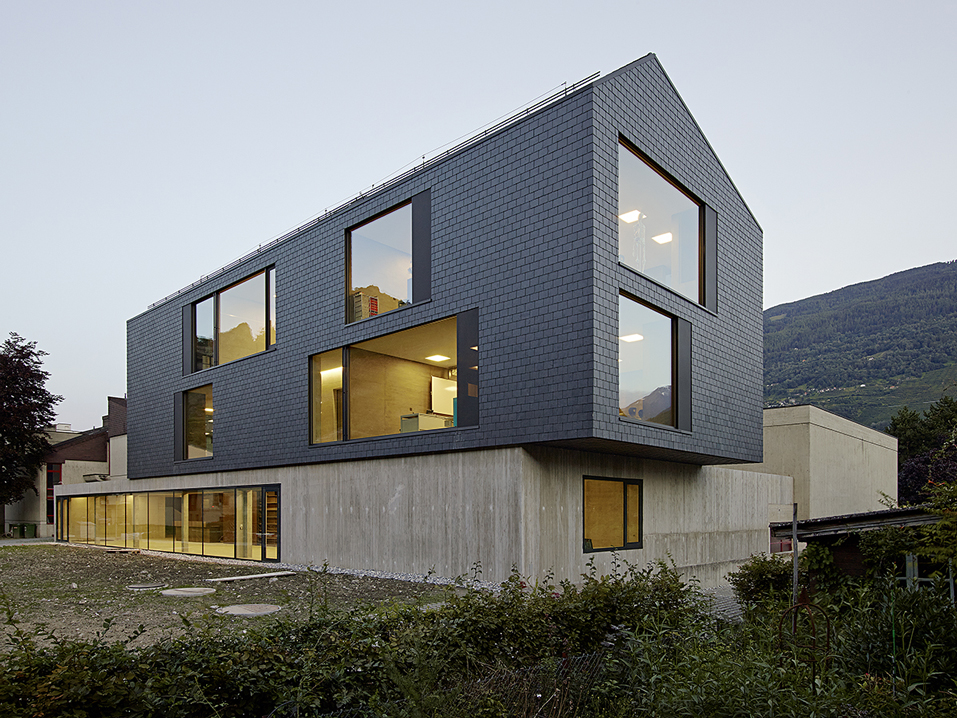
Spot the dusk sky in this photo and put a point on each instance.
(144, 145)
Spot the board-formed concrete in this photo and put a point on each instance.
(488, 511)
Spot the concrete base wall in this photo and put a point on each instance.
(452, 513)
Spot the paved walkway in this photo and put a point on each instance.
(19, 542)
(725, 604)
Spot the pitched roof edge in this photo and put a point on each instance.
(653, 58)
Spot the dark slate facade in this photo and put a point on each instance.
(523, 229)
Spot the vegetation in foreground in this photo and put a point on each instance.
(640, 642)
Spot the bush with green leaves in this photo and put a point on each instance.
(762, 578)
(647, 639)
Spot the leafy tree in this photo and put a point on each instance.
(926, 450)
(25, 408)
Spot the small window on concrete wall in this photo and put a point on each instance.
(611, 514)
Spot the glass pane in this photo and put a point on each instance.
(99, 527)
(603, 514)
(203, 343)
(176, 518)
(219, 524)
(404, 381)
(161, 525)
(242, 319)
(198, 422)
(657, 226)
(272, 306)
(633, 517)
(272, 525)
(248, 524)
(77, 525)
(645, 363)
(115, 521)
(381, 265)
(192, 535)
(141, 527)
(327, 397)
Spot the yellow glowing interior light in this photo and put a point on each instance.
(209, 410)
(436, 357)
(663, 238)
(328, 373)
(632, 338)
(630, 217)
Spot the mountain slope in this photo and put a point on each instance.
(865, 350)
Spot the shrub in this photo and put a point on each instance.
(762, 578)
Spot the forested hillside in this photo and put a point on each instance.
(865, 350)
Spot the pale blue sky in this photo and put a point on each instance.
(145, 144)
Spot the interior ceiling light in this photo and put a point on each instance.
(630, 217)
(437, 357)
(330, 372)
(209, 410)
(663, 238)
(632, 338)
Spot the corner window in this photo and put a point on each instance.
(388, 260)
(645, 363)
(611, 514)
(235, 322)
(654, 365)
(415, 380)
(198, 422)
(659, 227)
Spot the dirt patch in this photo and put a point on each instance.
(73, 591)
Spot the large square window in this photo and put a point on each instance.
(418, 379)
(611, 514)
(235, 322)
(388, 260)
(659, 226)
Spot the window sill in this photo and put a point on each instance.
(271, 348)
(194, 459)
(389, 313)
(427, 432)
(653, 425)
(668, 289)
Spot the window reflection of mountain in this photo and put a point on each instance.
(239, 342)
(654, 407)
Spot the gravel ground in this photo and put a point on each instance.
(73, 590)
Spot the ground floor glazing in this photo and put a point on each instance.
(238, 523)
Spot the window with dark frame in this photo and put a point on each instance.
(654, 365)
(665, 233)
(388, 259)
(611, 514)
(195, 423)
(230, 522)
(235, 322)
(352, 389)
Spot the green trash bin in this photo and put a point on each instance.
(29, 530)
(16, 530)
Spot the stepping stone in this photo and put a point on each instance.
(188, 591)
(248, 609)
(146, 586)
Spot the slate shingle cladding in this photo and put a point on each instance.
(524, 229)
